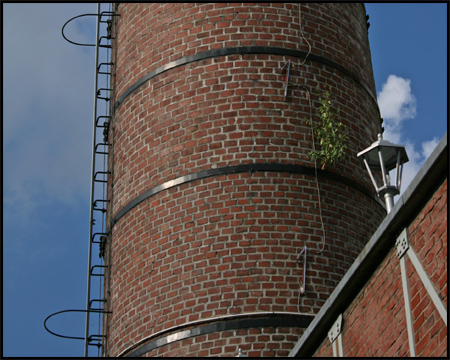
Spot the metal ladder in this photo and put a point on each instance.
(99, 180)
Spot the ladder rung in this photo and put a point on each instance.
(102, 117)
(99, 233)
(101, 152)
(101, 172)
(96, 300)
(107, 13)
(98, 266)
(99, 91)
(99, 200)
(101, 72)
(97, 338)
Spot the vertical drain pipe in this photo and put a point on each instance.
(91, 216)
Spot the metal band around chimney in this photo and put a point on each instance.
(227, 170)
(215, 325)
(244, 50)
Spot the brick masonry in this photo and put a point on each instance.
(266, 342)
(227, 245)
(375, 323)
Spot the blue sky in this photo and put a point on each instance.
(47, 138)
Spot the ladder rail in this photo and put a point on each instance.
(91, 215)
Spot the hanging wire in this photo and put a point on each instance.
(303, 36)
(316, 177)
(312, 129)
(315, 172)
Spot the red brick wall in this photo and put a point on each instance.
(227, 244)
(375, 324)
(151, 35)
(429, 241)
(229, 111)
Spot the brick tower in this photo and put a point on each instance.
(213, 196)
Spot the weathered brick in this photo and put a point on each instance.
(224, 111)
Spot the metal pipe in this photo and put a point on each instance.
(389, 200)
(88, 294)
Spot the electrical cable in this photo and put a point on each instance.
(312, 129)
(301, 32)
(317, 182)
(315, 172)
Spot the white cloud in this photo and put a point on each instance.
(398, 104)
(396, 101)
(428, 147)
(411, 168)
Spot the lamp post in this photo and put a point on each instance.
(385, 156)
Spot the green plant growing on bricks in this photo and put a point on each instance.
(330, 131)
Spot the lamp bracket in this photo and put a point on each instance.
(391, 189)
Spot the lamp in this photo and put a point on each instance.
(385, 156)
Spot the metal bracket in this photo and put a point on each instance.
(402, 243)
(288, 63)
(335, 333)
(335, 329)
(302, 287)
